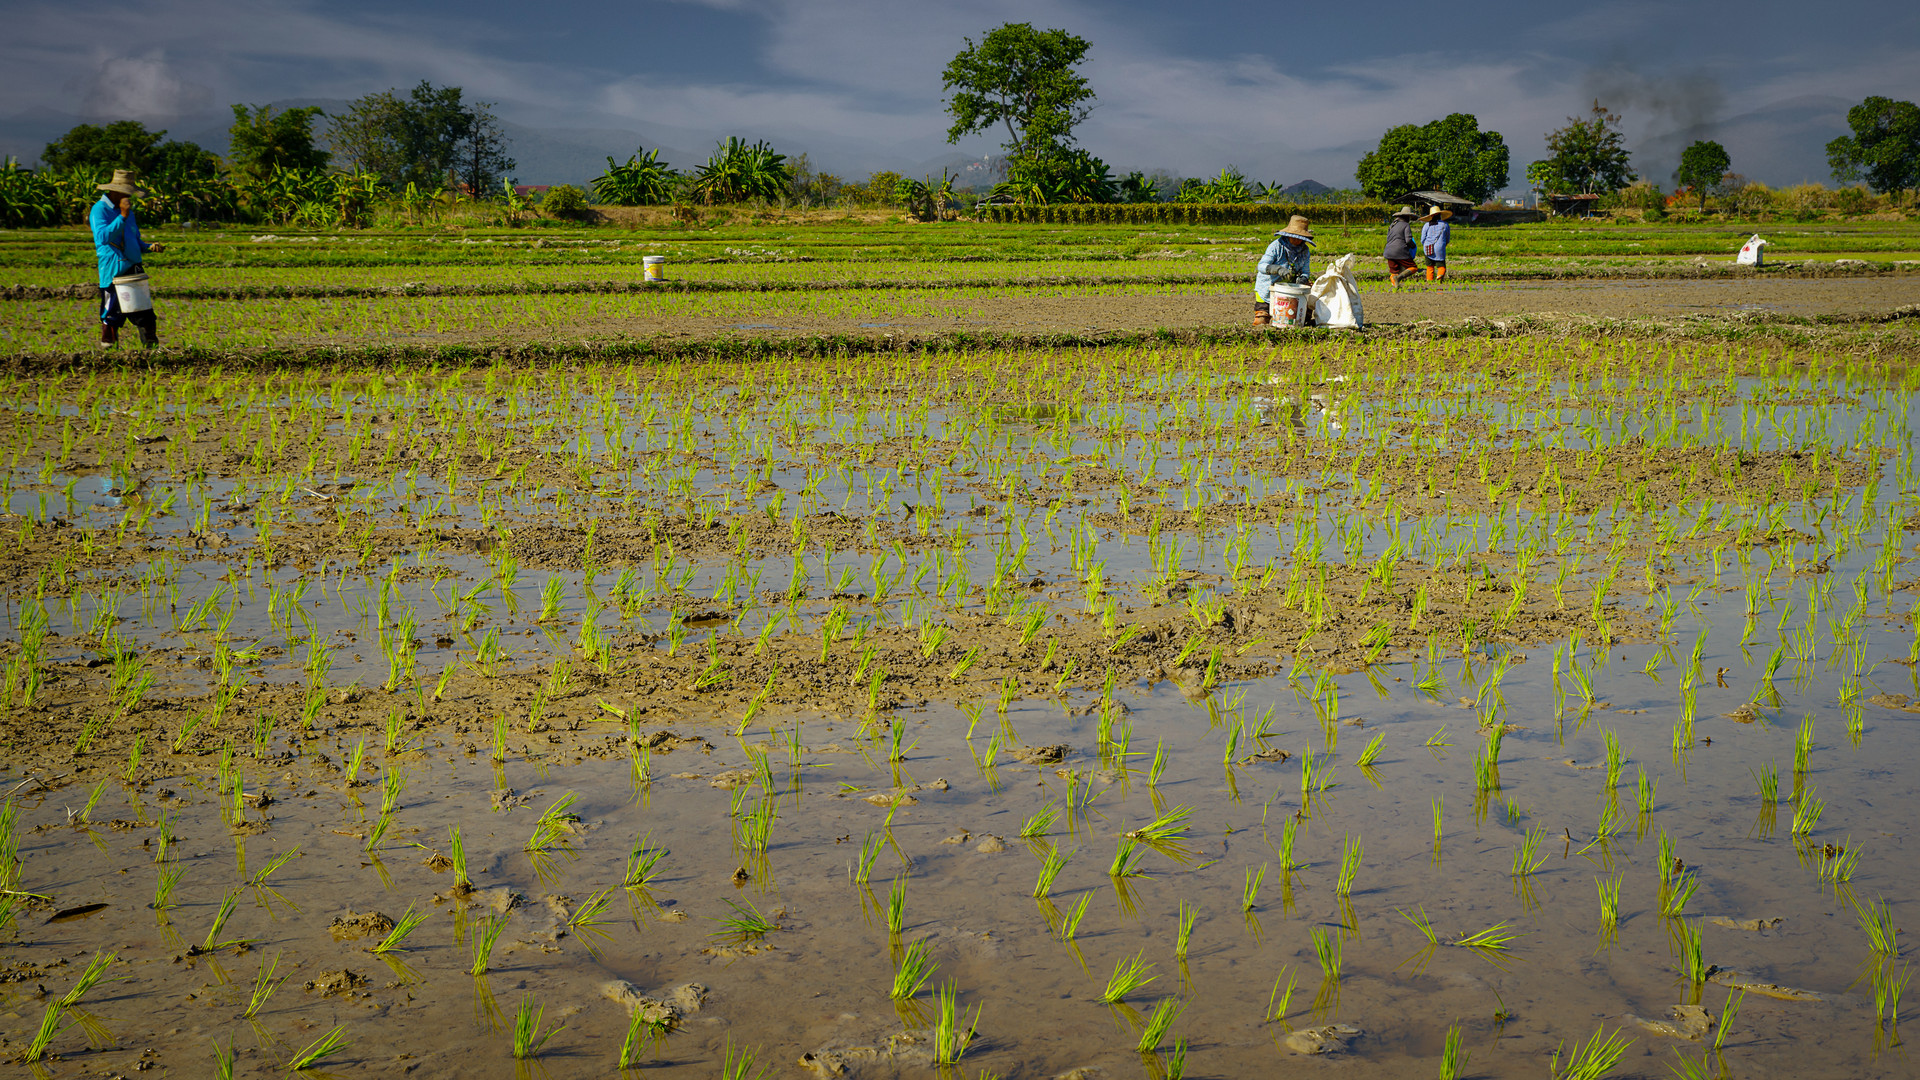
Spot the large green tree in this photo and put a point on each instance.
(1884, 148)
(1451, 155)
(263, 139)
(1022, 79)
(1701, 167)
(1589, 154)
(417, 139)
(125, 144)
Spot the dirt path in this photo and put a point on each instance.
(1227, 306)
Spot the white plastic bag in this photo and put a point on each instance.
(1750, 253)
(1336, 296)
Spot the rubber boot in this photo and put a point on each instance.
(1262, 316)
(1440, 275)
(149, 328)
(1429, 273)
(109, 336)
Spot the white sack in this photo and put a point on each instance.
(1336, 296)
(1750, 253)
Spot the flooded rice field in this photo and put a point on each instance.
(1483, 707)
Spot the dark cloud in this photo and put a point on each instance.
(856, 83)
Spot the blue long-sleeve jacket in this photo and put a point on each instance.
(116, 240)
(1281, 260)
(1433, 235)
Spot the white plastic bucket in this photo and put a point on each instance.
(132, 292)
(1288, 303)
(654, 267)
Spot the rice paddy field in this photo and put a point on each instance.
(959, 651)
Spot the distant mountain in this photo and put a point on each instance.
(1306, 187)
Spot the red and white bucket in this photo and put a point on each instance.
(1288, 303)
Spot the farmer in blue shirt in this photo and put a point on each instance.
(1288, 260)
(1433, 242)
(118, 247)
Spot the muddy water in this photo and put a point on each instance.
(1786, 497)
(820, 981)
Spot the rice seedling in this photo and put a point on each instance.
(395, 941)
(1176, 1063)
(1735, 998)
(1493, 938)
(1876, 920)
(1070, 921)
(915, 968)
(1806, 813)
(897, 906)
(1040, 823)
(1126, 860)
(1189, 914)
(1592, 1059)
(643, 1034)
(50, 1026)
(740, 1067)
(951, 1037)
(220, 917)
(1527, 860)
(643, 863)
(1159, 1022)
(223, 1060)
(1371, 753)
(1609, 900)
(745, 922)
(1050, 868)
(1684, 885)
(1350, 855)
(1289, 836)
(1693, 962)
(1768, 779)
(553, 827)
(870, 849)
(264, 984)
(163, 890)
(1889, 986)
(1129, 974)
(1452, 1061)
(1250, 892)
(1421, 923)
(319, 1050)
(1278, 999)
(482, 942)
(1327, 949)
(527, 1036)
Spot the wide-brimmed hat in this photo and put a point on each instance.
(122, 182)
(1435, 212)
(1298, 228)
(1405, 212)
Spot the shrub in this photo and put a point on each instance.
(564, 201)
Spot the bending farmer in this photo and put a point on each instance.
(117, 244)
(1288, 261)
(1433, 242)
(1399, 251)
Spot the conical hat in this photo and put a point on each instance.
(123, 183)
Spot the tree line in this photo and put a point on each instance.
(411, 153)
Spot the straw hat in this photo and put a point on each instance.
(1298, 228)
(1437, 213)
(1405, 212)
(123, 183)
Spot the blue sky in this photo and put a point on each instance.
(1286, 92)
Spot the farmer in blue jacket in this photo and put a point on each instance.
(1288, 260)
(118, 247)
(1433, 242)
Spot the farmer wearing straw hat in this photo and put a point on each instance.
(1433, 242)
(1399, 251)
(117, 245)
(1288, 260)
